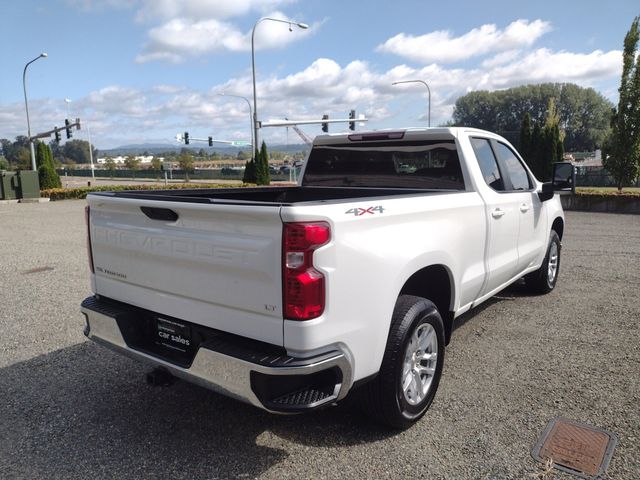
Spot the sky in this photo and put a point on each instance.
(142, 71)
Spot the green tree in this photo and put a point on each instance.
(584, 113)
(56, 149)
(543, 145)
(156, 166)
(536, 151)
(78, 151)
(186, 162)
(47, 174)
(553, 137)
(524, 145)
(249, 172)
(4, 164)
(477, 109)
(621, 152)
(132, 163)
(262, 166)
(17, 153)
(110, 164)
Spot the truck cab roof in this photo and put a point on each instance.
(400, 134)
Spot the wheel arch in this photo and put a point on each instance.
(435, 283)
(558, 226)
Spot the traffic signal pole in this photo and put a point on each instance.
(290, 123)
(210, 141)
(56, 131)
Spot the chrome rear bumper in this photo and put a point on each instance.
(260, 379)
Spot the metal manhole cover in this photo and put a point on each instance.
(575, 448)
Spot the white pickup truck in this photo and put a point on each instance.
(291, 297)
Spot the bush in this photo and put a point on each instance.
(48, 177)
(605, 192)
(249, 172)
(79, 193)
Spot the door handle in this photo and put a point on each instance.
(524, 208)
(497, 213)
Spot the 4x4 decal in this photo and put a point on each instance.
(358, 211)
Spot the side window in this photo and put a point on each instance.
(515, 170)
(488, 163)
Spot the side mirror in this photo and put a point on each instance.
(564, 178)
(547, 192)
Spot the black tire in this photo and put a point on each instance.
(540, 281)
(384, 397)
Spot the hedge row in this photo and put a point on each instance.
(607, 193)
(79, 193)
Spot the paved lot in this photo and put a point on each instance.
(71, 409)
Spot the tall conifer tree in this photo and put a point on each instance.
(621, 150)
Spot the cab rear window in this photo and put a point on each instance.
(423, 165)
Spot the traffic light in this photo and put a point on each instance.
(186, 138)
(325, 125)
(57, 133)
(211, 141)
(67, 124)
(352, 125)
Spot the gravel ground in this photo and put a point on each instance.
(71, 409)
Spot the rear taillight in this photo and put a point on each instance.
(87, 219)
(303, 285)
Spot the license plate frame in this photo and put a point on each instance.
(173, 335)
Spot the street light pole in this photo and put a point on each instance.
(26, 106)
(428, 90)
(303, 26)
(253, 145)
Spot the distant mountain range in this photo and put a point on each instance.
(157, 148)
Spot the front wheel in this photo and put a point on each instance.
(545, 278)
(412, 364)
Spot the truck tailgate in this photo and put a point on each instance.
(215, 265)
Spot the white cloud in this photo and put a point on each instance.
(441, 47)
(202, 9)
(501, 58)
(182, 37)
(100, 5)
(119, 114)
(544, 65)
(167, 89)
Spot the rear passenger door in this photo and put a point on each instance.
(503, 217)
(532, 236)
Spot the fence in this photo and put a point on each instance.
(198, 174)
(585, 176)
(596, 177)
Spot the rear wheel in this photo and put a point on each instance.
(412, 364)
(545, 278)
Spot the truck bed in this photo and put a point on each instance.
(274, 196)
